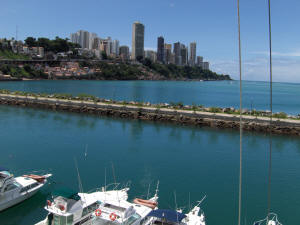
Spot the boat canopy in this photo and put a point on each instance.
(66, 193)
(167, 214)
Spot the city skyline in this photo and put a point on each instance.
(213, 29)
(182, 54)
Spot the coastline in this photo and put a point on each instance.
(170, 115)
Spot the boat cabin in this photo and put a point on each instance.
(120, 212)
(7, 181)
(166, 217)
(70, 208)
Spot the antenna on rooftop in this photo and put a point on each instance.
(16, 32)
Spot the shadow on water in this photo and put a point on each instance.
(26, 212)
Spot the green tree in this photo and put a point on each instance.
(30, 41)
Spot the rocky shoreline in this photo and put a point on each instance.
(181, 117)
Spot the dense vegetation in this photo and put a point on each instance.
(172, 71)
(148, 70)
(56, 45)
(120, 71)
(25, 71)
(8, 54)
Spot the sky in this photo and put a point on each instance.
(211, 23)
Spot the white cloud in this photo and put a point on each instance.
(150, 49)
(283, 54)
(284, 69)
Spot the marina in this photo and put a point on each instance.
(154, 152)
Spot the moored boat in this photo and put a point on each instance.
(72, 208)
(14, 190)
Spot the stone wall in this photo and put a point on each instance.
(182, 117)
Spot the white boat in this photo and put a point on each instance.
(271, 219)
(14, 190)
(172, 217)
(72, 208)
(121, 212)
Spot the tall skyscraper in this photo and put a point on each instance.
(96, 43)
(138, 31)
(86, 40)
(200, 61)
(184, 54)
(106, 46)
(92, 36)
(168, 53)
(160, 49)
(177, 53)
(205, 65)
(151, 55)
(192, 53)
(82, 38)
(75, 37)
(124, 52)
(115, 47)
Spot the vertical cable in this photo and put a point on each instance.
(271, 108)
(241, 124)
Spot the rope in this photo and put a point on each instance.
(271, 108)
(241, 125)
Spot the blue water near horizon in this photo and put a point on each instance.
(213, 93)
(186, 160)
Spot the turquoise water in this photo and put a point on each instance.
(199, 161)
(218, 93)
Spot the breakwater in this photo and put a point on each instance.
(178, 116)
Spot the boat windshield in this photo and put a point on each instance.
(11, 186)
(132, 219)
(114, 207)
(62, 220)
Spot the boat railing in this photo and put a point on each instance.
(110, 187)
(36, 172)
(270, 217)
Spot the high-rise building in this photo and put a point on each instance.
(96, 43)
(81, 37)
(92, 36)
(106, 46)
(177, 53)
(85, 39)
(115, 47)
(200, 61)
(167, 53)
(138, 31)
(184, 54)
(192, 53)
(151, 55)
(75, 37)
(160, 49)
(205, 65)
(124, 52)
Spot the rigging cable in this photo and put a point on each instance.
(241, 125)
(271, 108)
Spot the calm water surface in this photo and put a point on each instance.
(199, 161)
(218, 93)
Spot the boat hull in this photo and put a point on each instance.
(15, 201)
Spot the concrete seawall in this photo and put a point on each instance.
(182, 117)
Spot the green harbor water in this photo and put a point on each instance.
(186, 160)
